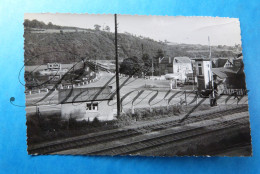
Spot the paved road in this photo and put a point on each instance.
(131, 87)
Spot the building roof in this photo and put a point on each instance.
(182, 60)
(240, 57)
(222, 62)
(166, 60)
(223, 72)
(85, 94)
(190, 75)
(201, 59)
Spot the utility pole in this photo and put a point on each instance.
(160, 60)
(142, 50)
(193, 78)
(152, 67)
(37, 111)
(96, 67)
(212, 82)
(185, 97)
(117, 73)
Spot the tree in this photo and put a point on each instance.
(50, 25)
(26, 23)
(147, 60)
(132, 66)
(37, 24)
(97, 27)
(107, 28)
(147, 64)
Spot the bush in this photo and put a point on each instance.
(96, 122)
(124, 119)
(137, 116)
(72, 122)
(146, 113)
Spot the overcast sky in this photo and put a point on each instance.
(190, 30)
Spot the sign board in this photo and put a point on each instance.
(54, 66)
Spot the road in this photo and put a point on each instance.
(130, 87)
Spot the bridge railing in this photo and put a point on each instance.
(69, 86)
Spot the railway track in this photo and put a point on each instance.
(150, 143)
(83, 141)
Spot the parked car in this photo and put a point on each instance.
(204, 93)
(189, 81)
(180, 83)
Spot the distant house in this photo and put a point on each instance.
(222, 63)
(182, 66)
(230, 77)
(86, 103)
(223, 77)
(238, 62)
(54, 66)
(177, 67)
(166, 66)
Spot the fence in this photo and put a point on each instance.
(85, 82)
(145, 77)
(232, 91)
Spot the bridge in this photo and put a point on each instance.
(95, 66)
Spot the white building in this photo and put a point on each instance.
(181, 67)
(203, 73)
(54, 66)
(86, 103)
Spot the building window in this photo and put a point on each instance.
(95, 106)
(228, 64)
(92, 106)
(88, 107)
(200, 68)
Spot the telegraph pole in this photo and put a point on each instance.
(117, 72)
(212, 83)
(142, 50)
(152, 67)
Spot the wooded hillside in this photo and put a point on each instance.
(52, 43)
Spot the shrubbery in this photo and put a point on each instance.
(47, 128)
(51, 127)
(140, 114)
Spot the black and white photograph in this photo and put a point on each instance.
(112, 84)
